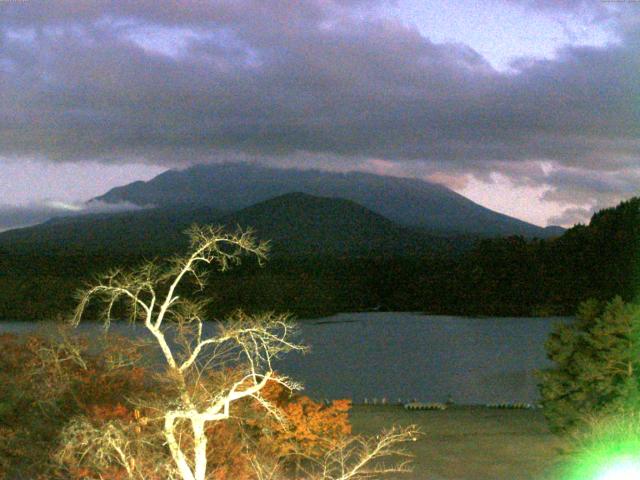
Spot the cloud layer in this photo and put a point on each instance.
(18, 216)
(320, 81)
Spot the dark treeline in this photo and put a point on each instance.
(508, 276)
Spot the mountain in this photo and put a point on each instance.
(41, 266)
(148, 231)
(553, 231)
(295, 223)
(406, 201)
(298, 223)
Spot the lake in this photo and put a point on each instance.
(408, 356)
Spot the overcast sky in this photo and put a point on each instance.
(529, 107)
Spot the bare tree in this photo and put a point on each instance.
(353, 458)
(361, 458)
(249, 344)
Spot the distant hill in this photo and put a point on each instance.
(406, 201)
(148, 231)
(331, 255)
(295, 223)
(553, 231)
(299, 223)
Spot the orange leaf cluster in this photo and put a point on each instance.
(310, 427)
(94, 388)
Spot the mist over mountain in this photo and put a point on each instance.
(294, 224)
(152, 231)
(406, 201)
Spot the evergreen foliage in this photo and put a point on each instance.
(597, 365)
(502, 276)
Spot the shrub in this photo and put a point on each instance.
(46, 381)
(597, 365)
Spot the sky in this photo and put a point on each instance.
(528, 107)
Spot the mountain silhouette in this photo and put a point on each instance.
(294, 223)
(407, 201)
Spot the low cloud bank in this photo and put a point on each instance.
(18, 216)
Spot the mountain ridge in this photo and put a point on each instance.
(299, 223)
(406, 201)
(295, 223)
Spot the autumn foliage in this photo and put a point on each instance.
(45, 382)
(60, 399)
(310, 425)
(189, 405)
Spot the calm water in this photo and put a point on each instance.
(405, 356)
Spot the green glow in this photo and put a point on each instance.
(623, 469)
(609, 449)
(619, 463)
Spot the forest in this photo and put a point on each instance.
(509, 276)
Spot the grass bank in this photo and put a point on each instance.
(469, 443)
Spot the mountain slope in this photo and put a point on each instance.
(298, 223)
(295, 223)
(406, 201)
(148, 231)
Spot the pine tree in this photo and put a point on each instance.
(597, 361)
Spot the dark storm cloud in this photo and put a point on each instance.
(592, 187)
(573, 185)
(316, 79)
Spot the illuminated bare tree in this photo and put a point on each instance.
(151, 295)
(353, 458)
(360, 458)
(243, 344)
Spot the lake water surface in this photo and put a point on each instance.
(410, 356)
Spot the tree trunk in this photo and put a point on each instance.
(176, 452)
(200, 448)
